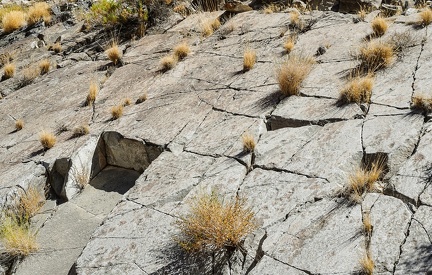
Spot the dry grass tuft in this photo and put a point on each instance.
(358, 90)
(379, 26)
(47, 139)
(367, 265)
(367, 225)
(13, 20)
(248, 142)
(168, 62)
(142, 98)
(17, 238)
(113, 53)
(292, 72)
(116, 112)
(93, 91)
(376, 55)
(81, 130)
(289, 44)
(30, 203)
(57, 48)
(249, 59)
(295, 18)
(362, 13)
(8, 70)
(215, 225)
(422, 103)
(425, 17)
(127, 102)
(44, 66)
(40, 10)
(363, 180)
(19, 124)
(29, 74)
(209, 25)
(181, 50)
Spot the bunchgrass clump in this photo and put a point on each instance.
(248, 142)
(39, 11)
(168, 62)
(116, 112)
(361, 14)
(44, 66)
(422, 103)
(367, 224)
(214, 225)
(142, 98)
(19, 124)
(249, 59)
(375, 55)
(47, 139)
(8, 70)
(127, 102)
(29, 74)
(113, 53)
(209, 25)
(181, 50)
(30, 203)
(57, 47)
(16, 237)
(13, 20)
(292, 72)
(425, 17)
(367, 265)
(81, 130)
(363, 180)
(289, 44)
(357, 90)
(93, 91)
(379, 26)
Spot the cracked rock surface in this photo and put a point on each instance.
(186, 138)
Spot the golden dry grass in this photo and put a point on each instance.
(44, 66)
(214, 225)
(362, 13)
(29, 74)
(13, 20)
(81, 130)
(209, 25)
(425, 17)
(116, 112)
(379, 26)
(363, 180)
(292, 72)
(295, 18)
(142, 98)
(40, 10)
(30, 203)
(93, 91)
(181, 9)
(181, 50)
(357, 90)
(421, 102)
(47, 139)
(367, 265)
(168, 62)
(127, 102)
(113, 53)
(376, 55)
(249, 59)
(57, 47)
(19, 124)
(367, 224)
(248, 142)
(289, 44)
(17, 238)
(9, 70)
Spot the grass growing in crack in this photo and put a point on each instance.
(422, 103)
(93, 91)
(249, 59)
(29, 74)
(367, 265)
(379, 26)
(425, 17)
(289, 44)
(81, 130)
(248, 142)
(19, 124)
(127, 102)
(168, 62)
(292, 72)
(30, 203)
(363, 180)
(8, 70)
(44, 66)
(375, 55)
(367, 224)
(116, 112)
(13, 20)
(358, 90)
(47, 140)
(181, 50)
(209, 25)
(113, 53)
(16, 237)
(361, 14)
(57, 47)
(215, 225)
(142, 98)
